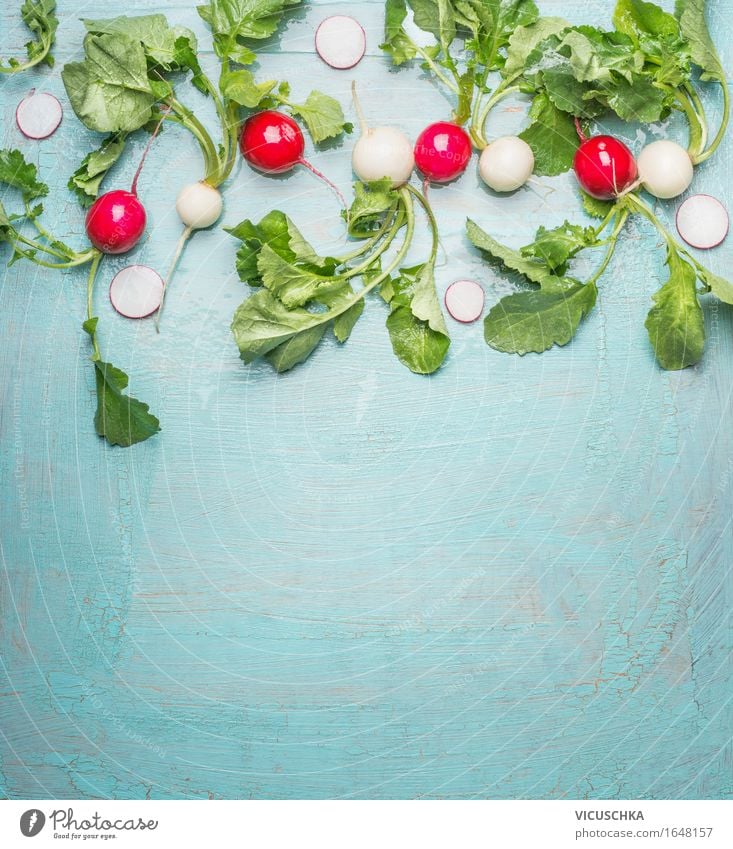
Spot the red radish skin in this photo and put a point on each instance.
(38, 115)
(340, 42)
(604, 166)
(115, 222)
(702, 221)
(442, 151)
(272, 142)
(464, 300)
(136, 291)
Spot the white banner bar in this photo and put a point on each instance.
(369, 824)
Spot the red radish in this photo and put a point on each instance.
(38, 115)
(464, 300)
(273, 143)
(340, 41)
(442, 151)
(116, 220)
(136, 291)
(702, 221)
(604, 166)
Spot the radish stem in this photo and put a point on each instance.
(185, 235)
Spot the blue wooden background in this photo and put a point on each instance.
(511, 579)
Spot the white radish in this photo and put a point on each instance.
(136, 291)
(506, 164)
(38, 115)
(464, 300)
(340, 42)
(665, 169)
(381, 152)
(199, 205)
(702, 221)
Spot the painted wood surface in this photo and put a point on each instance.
(511, 579)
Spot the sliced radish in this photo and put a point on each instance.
(38, 115)
(340, 41)
(464, 300)
(136, 291)
(702, 221)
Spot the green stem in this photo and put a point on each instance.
(422, 200)
(609, 215)
(721, 129)
(478, 122)
(698, 132)
(47, 43)
(395, 223)
(612, 241)
(369, 244)
(453, 86)
(187, 119)
(93, 268)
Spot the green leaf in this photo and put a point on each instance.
(535, 321)
(262, 323)
(185, 56)
(525, 39)
(415, 344)
(297, 349)
(535, 271)
(637, 18)
(719, 286)
(233, 22)
(639, 100)
(594, 207)
(416, 325)
(552, 137)
(22, 175)
(371, 202)
(241, 87)
(462, 111)
(322, 115)
(88, 177)
(38, 16)
(691, 15)
(158, 38)
(293, 283)
(675, 323)
(278, 232)
(110, 91)
(120, 419)
(555, 247)
(396, 41)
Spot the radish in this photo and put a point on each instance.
(340, 41)
(381, 152)
(136, 291)
(199, 205)
(604, 166)
(442, 151)
(702, 221)
(464, 300)
(665, 169)
(116, 220)
(506, 164)
(273, 143)
(38, 115)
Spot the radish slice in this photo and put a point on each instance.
(136, 291)
(38, 115)
(340, 42)
(702, 221)
(464, 300)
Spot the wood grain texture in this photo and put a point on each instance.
(512, 579)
